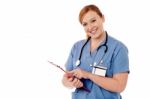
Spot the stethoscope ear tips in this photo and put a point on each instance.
(77, 62)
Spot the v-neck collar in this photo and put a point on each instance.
(96, 55)
(95, 50)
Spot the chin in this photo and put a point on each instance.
(94, 37)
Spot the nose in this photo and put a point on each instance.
(89, 27)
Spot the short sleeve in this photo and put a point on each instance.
(69, 62)
(120, 61)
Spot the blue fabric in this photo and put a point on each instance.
(116, 61)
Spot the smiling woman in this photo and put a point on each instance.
(33, 31)
(103, 65)
(91, 16)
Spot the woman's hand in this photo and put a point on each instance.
(79, 73)
(71, 81)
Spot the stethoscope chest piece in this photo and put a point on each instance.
(77, 62)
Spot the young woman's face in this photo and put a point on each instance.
(93, 24)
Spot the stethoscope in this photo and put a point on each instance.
(105, 51)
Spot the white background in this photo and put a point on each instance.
(35, 31)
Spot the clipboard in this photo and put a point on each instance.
(59, 67)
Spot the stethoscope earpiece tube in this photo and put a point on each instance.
(78, 61)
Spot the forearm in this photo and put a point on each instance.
(111, 84)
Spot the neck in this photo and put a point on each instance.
(95, 42)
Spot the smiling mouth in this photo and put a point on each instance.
(93, 31)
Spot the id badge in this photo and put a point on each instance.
(99, 70)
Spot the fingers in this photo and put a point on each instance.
(80, 73)
(67, 81)
(77, 83)
(77, 75)
(73, 73)
(72, 80)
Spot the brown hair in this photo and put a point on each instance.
(87, 8)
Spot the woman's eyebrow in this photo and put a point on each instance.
(89, 19)
(93, 18)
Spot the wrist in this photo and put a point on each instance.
(88, 75)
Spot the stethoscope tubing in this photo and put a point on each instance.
(105, 44)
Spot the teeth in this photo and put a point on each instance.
(92, 32)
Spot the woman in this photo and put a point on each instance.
(97, 67)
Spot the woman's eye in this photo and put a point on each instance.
(93, 20)
(84, 24)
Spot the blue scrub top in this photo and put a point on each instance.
(115, 60)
